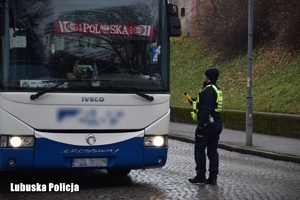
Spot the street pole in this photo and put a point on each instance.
(249, 77)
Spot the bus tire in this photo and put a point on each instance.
(118, 172)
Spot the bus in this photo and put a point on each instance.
(85, 84)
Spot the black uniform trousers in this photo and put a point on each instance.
(207, 138)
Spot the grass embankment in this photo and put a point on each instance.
(275, 76)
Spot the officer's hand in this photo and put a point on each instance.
(199, 133)
(199, 130)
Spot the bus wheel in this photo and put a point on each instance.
(118, 172)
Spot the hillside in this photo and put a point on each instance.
(276, 76)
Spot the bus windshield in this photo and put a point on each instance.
(91, 45)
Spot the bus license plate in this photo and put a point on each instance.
(89, 162)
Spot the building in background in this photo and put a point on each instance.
(189, 12)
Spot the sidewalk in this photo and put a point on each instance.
(268, 146)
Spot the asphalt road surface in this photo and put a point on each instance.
(241, 177)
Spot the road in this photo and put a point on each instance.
(241, 177)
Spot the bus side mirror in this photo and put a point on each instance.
(174, 21)
(2, 18)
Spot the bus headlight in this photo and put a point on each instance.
(155, 141)
(17, 141)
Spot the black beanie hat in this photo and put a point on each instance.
(212, 74)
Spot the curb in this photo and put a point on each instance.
(287, 125)
(244, 150)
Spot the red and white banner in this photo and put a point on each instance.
(98, 28)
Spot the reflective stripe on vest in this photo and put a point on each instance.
(219, 99)
(194, 113)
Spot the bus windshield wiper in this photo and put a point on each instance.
(40, 93)
(60, 82)
(146, 96)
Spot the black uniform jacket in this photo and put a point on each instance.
(207, 106)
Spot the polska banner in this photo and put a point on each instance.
(108, 29)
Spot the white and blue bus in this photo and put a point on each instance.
(85, 84)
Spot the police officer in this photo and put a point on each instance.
(208, 130)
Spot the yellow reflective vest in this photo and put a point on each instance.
(219, 100)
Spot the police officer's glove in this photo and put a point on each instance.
(199, 132)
